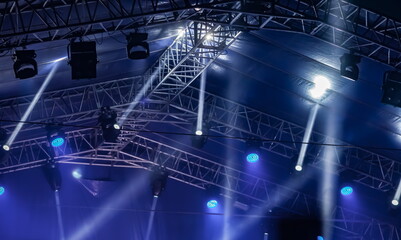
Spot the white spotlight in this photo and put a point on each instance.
(58, 59)
(77, 174)
(6, 147)
(395, 202)
(320, 88)
(298, 168)
(397, 195)
(209, 36)
(199, 132)
(116, 126)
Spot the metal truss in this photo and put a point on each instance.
(335, 21)
(143, 152)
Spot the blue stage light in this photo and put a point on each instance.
(212, 204)
(57, 142)
(2, 190)
(76, 174)
(347, 190)
(320, 238)
(252, 157)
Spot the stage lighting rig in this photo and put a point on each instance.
(391, 89)
(349, 66)
(159, 181)
(252, 152)
(52, 174)
(25, 65)
(200, 138)
(108, 121)
(137, 46)
(55, 135)
(82, 58)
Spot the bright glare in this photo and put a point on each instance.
(320, 88)
(199, 132)
(77, 174)
(2, 190)
(298, 168)
(212, 204)
(57, 142)
(209, 36)
(320, 238)
(181, 32)
(252, 157)
(6, 147)
(58, 59)
(116, 126)
(395, 202)
(347, 190)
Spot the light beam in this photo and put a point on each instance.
(152, 215)
(28, 112)
(305, 141)
(201, 104)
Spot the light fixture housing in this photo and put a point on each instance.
(108, 122)
(159, 181)
(55, 135)
(349, 66)
(391, 88)
(137, 46)
(82, 58)
(25, 65)
(53, 175)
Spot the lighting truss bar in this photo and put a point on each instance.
(371, 169)
(335, 21)
(140, 152)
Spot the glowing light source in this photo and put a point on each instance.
(298, 168)
(77, 174)
(320, 88)
(212, 204)
(58, 59)
(395, 202)
(252, 157)
(199, 132)
(116, 126)
(320, 238)
(209, 36)
(57, 142)
(2, 190)
(347, 190)
(181, 32)
(6, 147)
(397, 195)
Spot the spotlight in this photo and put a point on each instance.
(159, 180)
(252, 157)
(2, 190)
(3, 139)
(25, 65)
(108, 121)
(298, 168)
(201, 136)
(55, 135)
(77, 174)
(397, 195)
(209, 36)
(252, 153)
(82, 59)
(53, 175)
(391, 88)
(320, 238)
(347, 190)
(321, 84)
(212, 203)
(137, 47)
(349, 68)
(395, 202)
